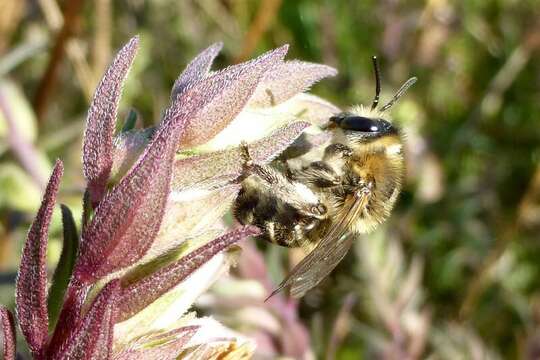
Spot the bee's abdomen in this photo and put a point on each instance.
(280, 222)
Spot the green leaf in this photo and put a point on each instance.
(64, 269)
(131, 120)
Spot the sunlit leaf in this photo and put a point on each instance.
(236, 83)
(253, 124)
(161, 346)
(19, 190)
(31, 287)
(69, 315)
(197, 69)
(138, 295)
(128, 218)
(100, 122)
(192, 214)
(287, 79)
(91, 337)
(7, 325)
(219, 168)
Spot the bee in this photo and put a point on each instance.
(326, 203)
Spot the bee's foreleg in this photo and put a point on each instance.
(270, 175)
(337, 151)
(319, 174)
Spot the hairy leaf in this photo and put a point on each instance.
(69, 315)
(254, 123)
(91, 337)
(192, 214)
(100, 122)
(197, 69)
(137, 296)
(64, 268)
(8, 334)
(128, 218)
(237, 84)
(31, 287)
(287, 79)
(215, 341)
(219, 168)
(162, 346)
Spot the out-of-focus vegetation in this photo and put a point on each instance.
(454, 274)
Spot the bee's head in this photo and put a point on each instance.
(363, 128)
(366, 125)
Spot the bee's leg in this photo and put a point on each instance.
(292, 237)
(286, 169)
(300, 234)
(295, 194)
(246, 158)
(327, 173)
(324, 173)
(337, 151)
(299, 237)
(318, 173)
(270, 175)
(280, 234)
(270, 231)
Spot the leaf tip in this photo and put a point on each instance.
(31, 284)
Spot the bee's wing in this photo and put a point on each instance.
(328, 253)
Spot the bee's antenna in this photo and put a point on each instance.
(377, 82)
(399, 93)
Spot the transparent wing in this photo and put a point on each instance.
(328, 253)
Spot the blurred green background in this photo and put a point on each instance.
(454, 274)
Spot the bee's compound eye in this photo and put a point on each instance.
(338, 118)
(360, 123)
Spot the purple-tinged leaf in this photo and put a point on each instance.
(128, 218)
(138, 295)
(217, 169)
(31, 287)
(100, 122)
(236, 84)
(287, 79)
(8, 334)
(161, 346)
(197, 69)
(69, 315)
(91, 337)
